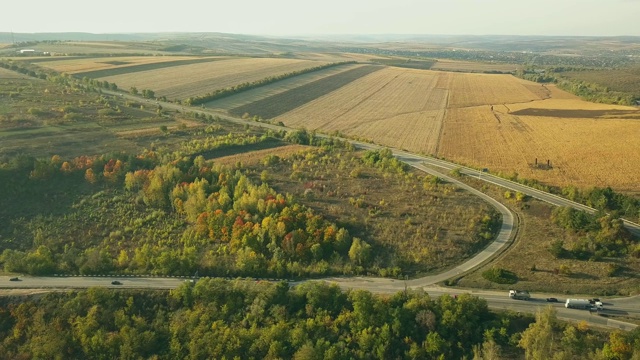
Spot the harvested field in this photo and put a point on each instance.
(495, 121)
(129, 69)
(100, 66)
(181, 82)
(263, 92)
(396, 107)
(485, 89)
(470, 66)
(283, 102)
(587, 144)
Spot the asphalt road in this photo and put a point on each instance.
(626, 306)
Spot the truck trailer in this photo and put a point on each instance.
(582, 304)
(519, 294)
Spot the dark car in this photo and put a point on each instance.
(552, 300)
(14, 279)
(116, 282)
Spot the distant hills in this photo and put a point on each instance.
(233, 43)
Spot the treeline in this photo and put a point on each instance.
(220, 93)
(587, 91)
(218, 319)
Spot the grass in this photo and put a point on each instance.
(537, 270)
(48, 132)
(416, 227)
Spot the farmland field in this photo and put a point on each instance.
(263, 92)
(181, 82)
(108, 66)
(278, 104)
(496, 121)
(470, 66)
(586, 144)
(396, 107)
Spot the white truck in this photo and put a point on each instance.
(583, 304)
(519, 294)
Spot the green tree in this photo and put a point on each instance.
(360, 252)
(538, 340)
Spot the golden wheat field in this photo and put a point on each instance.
(586, 144)
(180, 82)
(395, 106)
(484, 120)
(79, 65)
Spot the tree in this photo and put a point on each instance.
(360, 252)
(133, 90)
(538, 340)
(90, 176)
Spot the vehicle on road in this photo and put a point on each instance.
(594, 300)
(519, 294)
(116, 282)
(552, 299)
(582, 304)
(14, 279)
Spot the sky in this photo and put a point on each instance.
(327, 17)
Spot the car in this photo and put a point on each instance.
(14, 279)
(552, 300)
(116, 282)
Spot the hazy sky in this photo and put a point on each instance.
(301, 17)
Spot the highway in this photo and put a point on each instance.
(497, 300)
(626, 306)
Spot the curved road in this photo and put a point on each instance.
(629, 306)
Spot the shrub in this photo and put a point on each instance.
(613, 270)
(557, 249)
(500, 276)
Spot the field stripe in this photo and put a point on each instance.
(284, 102)
(142, 67)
